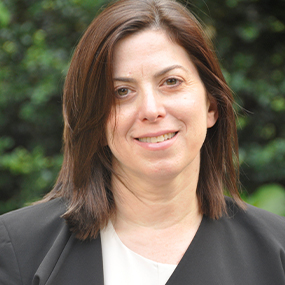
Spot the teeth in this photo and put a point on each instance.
(158, 139)
(153, 140)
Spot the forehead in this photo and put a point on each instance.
(147, 51)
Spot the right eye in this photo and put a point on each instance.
(122, 92)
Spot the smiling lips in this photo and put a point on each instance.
(158, 139)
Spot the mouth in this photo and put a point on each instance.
(158, 139)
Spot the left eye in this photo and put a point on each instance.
(171, 81)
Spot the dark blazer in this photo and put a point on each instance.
(245, 248)
(36, 247)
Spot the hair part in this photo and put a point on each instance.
(85, 177)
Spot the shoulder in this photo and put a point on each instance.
(34, 224)
(26, 235)
(31, 219)
(253, 213)
(255, 220)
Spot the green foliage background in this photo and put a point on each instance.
(36, 43)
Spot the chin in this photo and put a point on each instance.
(165, 173)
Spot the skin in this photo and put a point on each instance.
(158, 92)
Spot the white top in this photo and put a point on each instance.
(122, 266)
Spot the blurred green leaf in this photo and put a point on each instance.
(5, 15)
(270, 197)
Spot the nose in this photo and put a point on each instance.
(151, 106)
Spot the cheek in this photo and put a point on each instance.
(110, 127)
(117, 126)
(109, 132)
(112, 131)
(191, 109)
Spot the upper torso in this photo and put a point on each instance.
(244, 248)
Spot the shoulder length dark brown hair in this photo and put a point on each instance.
(84, 179)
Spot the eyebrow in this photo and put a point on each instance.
(167, 69)
(158, 74)
(124, 79)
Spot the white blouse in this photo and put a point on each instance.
(122, 266)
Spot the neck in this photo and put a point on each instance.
(156, 205)
(153, 215)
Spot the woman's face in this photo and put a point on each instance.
(162, 111)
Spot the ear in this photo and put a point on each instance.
(213, 113)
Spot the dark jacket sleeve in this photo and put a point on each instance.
(9, 269)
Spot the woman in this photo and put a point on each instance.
(150, 147)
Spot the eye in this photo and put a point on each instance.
(172, 81)
(122, 92)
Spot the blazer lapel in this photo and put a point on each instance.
(187, 271)
(70, 261)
